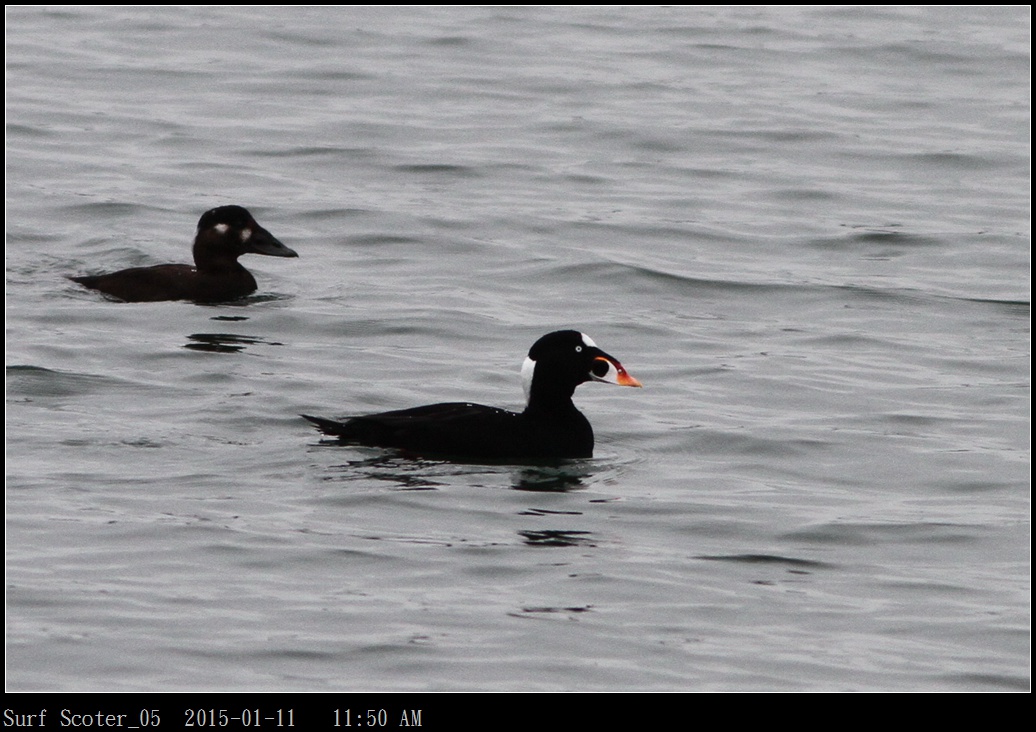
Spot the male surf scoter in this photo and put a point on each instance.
(550, 427)
(224, 234)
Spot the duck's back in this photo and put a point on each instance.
(172, 282)
(473, 431)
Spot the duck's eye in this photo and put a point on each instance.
(579, 349)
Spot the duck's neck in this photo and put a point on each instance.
(209, 259)
(545, 393)
(545, 402)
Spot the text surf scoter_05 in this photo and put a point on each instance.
(224, 234)
(550, 427)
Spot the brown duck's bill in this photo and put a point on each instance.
(263, 242)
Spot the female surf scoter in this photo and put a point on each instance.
(224, 234)
(550, 427)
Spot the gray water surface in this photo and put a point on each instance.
(806, 231)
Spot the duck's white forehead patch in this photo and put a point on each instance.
(588, 341)
(221, 228)
(528, 369)
(246, 234)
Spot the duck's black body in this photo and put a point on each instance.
(224, 234)
(464, 430)
(550, 427)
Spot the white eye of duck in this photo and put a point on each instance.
(579, 349)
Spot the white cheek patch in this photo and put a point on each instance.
(528, 369)
(588, 341)
(221, 228)
(246, 234)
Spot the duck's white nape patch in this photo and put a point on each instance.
(528, 369)
(221, 228)
(246, 234)
(588, 341)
